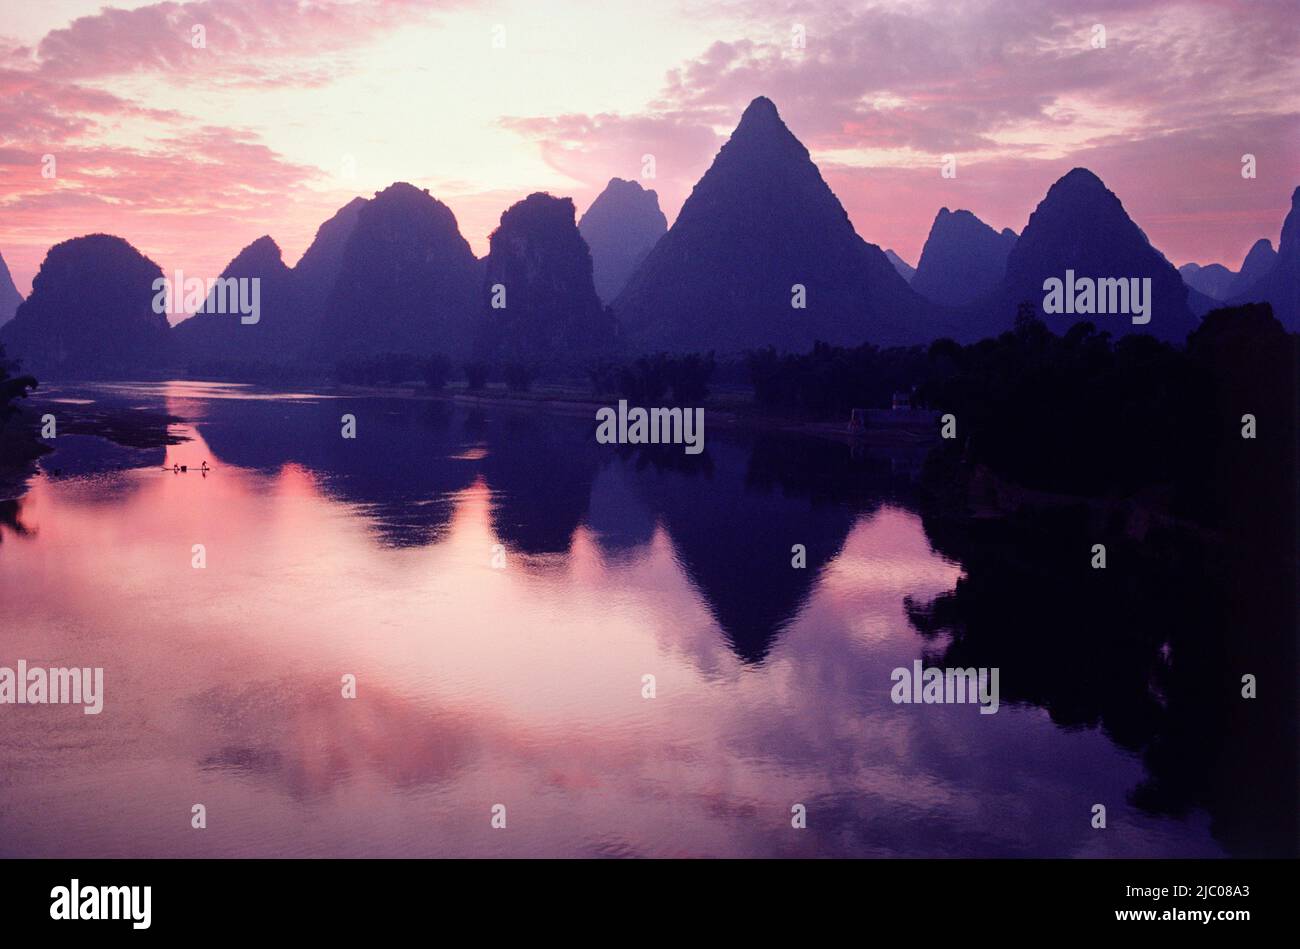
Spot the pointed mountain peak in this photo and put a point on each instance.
(760, 130)
(622, 187)
(1082, 228)
(1257, 261)
(761, 220)
(620, 227)
(1079, 179)
(962, 259)
(264, 248)
(260, 258)
(762, 111)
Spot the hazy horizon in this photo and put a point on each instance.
(192, 154)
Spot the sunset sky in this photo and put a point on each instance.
(192, 153)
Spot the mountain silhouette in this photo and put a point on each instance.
(212, 336)
(1212, 280)
(760, 223)
(539, 267)
(407, 280)
(10, 298)
(1081, 226)
(90, 313)
(1279, 285)
(1259, 261)
(620, 228)
(905, 270)
(317, 271)
(962, 260)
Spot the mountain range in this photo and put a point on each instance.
(762, 254)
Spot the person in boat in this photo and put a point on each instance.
(205, 467)
(176, 469)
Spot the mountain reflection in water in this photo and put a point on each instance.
(523, 685)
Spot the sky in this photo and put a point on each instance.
(193, 128)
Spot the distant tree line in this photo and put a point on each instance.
(829, 381)
(434, 371)
(658, 379)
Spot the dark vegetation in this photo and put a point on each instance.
(829, 381)
(19, 445)
(657, 379)
(1083, 414)
(1200, 527)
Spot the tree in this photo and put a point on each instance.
(12, 386)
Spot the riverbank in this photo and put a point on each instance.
(726, 408)
(22, 448)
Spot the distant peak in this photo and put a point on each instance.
(1080, 178)
(401, 189)
(623, 184)
(761, 113)
(263, 245)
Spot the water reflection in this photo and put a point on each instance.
(374, 557)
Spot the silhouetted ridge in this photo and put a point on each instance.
(10, 298)
(90, 313)
(407, 281)
(962, 260)
(620, 228)
(761, 221)
(1279, 284)
(211, 337)
(1082, 227)
(1213, 280)
(905, 270)
(1258, 261)
(539, 266)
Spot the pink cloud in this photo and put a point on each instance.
(1182, 89)
(245, 42)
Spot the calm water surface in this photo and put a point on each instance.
(520, 686)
